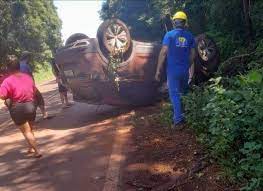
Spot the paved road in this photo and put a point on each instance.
(82, 148)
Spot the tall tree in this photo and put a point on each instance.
(248, 22)
(33, 26)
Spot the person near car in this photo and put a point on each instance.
(62, 89)
(21, 90)
(25, 68)
(179, 47)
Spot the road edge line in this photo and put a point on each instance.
(117, 156)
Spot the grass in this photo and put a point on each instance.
(43, 74)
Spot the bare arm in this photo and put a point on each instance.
(2, 97)
(192, 64)
(161, 60)
(4, 90)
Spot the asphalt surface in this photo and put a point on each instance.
(81, 146)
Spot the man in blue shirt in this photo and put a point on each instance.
(178, 46)
(24, 64)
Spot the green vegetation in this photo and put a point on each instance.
(31, 26)
(115, 59)
(227, 116)
(226, 112)
(235, 25)
(43, 74)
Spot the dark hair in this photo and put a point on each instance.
(180, 23)
(12, 63)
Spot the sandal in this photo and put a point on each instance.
(37, 155)
(49, 117)
(30, 151)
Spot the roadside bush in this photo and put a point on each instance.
(243, 61)
(227, 115)
(166, 115)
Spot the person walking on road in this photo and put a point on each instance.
(179, 47)
(25, 68)
(20, 89)
(62, 89)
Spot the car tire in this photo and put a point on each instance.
(102, 38)
(207, 57)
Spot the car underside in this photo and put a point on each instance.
(113, 69)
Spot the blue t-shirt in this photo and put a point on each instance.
(179, 42)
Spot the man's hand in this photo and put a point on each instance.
(158, 76)
(161, 59)
(192, 67)
(190, 80)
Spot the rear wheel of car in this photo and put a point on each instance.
(206, 48)
(114, 35)
(207, 57)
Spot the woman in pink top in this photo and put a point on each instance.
(20, 89)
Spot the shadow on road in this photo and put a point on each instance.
(76, 145)
(71, 158)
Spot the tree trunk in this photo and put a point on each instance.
(248, 22)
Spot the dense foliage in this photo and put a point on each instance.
(226, 112)
(227, 117)
(224, 20)
(31, 26)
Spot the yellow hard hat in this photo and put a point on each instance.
(180, 15)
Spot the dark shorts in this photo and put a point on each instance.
(62, 89)
(23, 112)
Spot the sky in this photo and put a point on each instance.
(79, 16)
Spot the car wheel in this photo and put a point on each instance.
(206, 48)
(116, 36)
(207, 57)
(112, 35)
